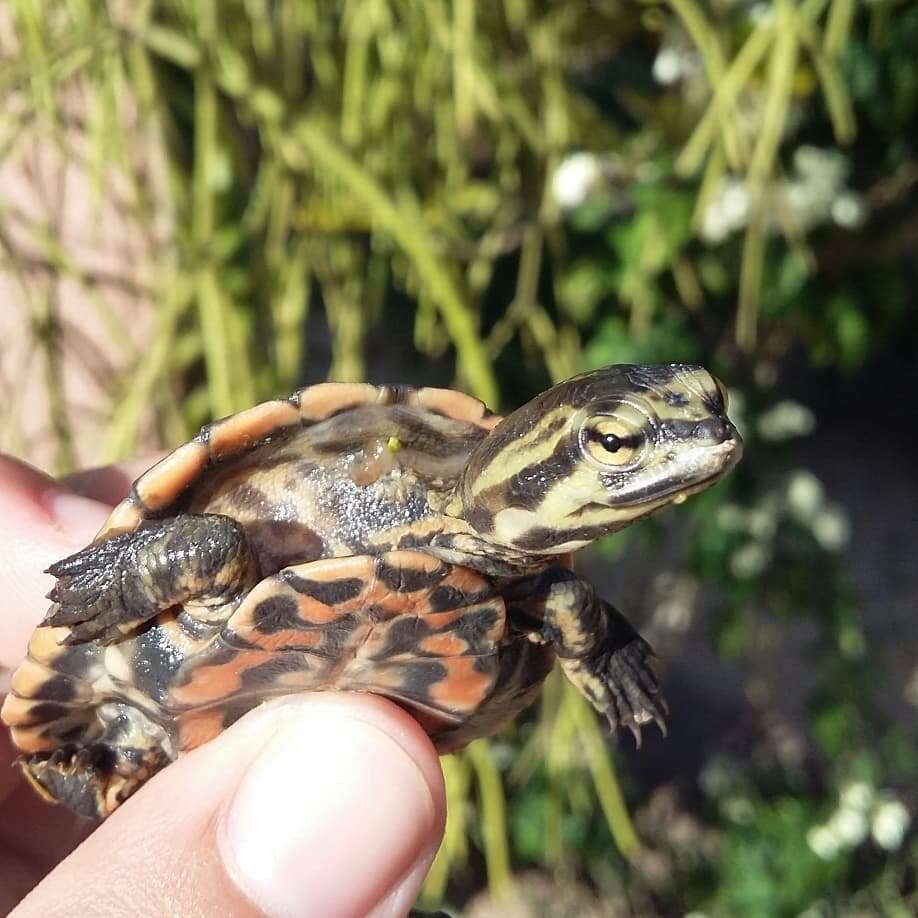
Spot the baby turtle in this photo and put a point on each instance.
(382, 539)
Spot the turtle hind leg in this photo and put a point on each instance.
(95, 776)
(106, 590)
(79, 746)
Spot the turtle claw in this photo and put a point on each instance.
(631, 725)
(91, 779)
(87, 594)
(69, 775)
(632, 696)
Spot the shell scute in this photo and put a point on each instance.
(238, 432)
(162, 484)
(457, 405)
(325, 400)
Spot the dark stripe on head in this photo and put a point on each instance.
(541, 538)
(675, 399)
(526, 489)
(480, 519)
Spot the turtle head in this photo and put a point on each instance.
(594, 454)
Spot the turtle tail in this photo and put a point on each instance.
(77, 748)
(92, 780)
(73, 756)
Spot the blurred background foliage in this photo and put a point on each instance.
(496, 196)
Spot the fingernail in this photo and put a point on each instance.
(332, 817)
(72, 513)
(31, 498)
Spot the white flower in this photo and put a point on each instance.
(667, 66)
(576, 176)
(804, 494)
(820, 166)
(739, 810)
(786, 420)
(762, 521)
(727, 211)
(761, 15)
(849, 827)
(822, 842)
(831, 528)
(858, 795)
(731, 517)
(735, 202)
(748, 560)
(848, 210)
(890, 822)
(675, 609)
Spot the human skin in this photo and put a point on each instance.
(323, 804)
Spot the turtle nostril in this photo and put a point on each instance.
(712, 429)
(719, 430)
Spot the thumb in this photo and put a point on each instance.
(317, 804)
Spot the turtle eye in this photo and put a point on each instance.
(723, 392)
(610, 440)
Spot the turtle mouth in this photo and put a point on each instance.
(705, 465)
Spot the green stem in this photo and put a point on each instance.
(493, 819)
(132, 406)
(410, 234)
(213, 318)
(454, 849)
(610, 794)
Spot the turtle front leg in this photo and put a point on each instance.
(599, 650)
(108, 589)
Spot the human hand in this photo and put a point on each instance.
(325, 804)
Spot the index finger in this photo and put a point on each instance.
(41, 521)
(109, 483)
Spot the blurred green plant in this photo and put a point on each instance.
(524, 190)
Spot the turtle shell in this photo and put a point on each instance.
(326, 541)
(158, 489)
(399, 623)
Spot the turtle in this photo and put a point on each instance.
(389, 539)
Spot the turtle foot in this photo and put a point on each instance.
(91, 780)
(634, 698)
(108, 589)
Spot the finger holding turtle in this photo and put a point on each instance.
(222, 832)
